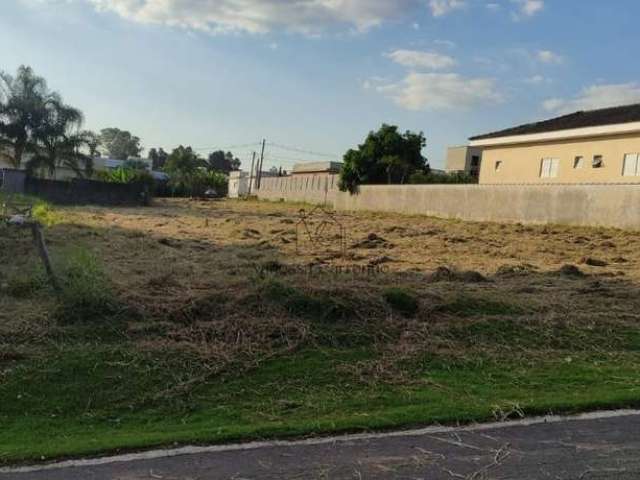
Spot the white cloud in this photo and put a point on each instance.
(442, 7)
(310, 17)
(527, 8)
(440, 91)
(421, 59)
(537, 80)
(445, 43)
(547, 56)
(596, 96)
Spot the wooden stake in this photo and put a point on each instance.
(38, 240)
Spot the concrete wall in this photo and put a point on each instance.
(310, 188)
(587, 205)
(522, 163)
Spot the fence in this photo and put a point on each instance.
(586, 205)
(81, 192)
(12, 181)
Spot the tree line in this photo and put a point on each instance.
(40, 132)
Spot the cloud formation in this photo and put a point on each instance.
(527, 8)
(547, 56)
(440, 91)
(310, 17)
(596, 96)
(442, 7)
(421, 59)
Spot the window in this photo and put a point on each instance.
(549, 167)
(597, 161)
(631, 166)
(578, 162)
(475, 161)
(498, 165)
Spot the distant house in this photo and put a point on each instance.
(242, 183)
(65, 173)
(597, 146)
(464, 159)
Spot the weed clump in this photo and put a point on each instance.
(402, 301)
(86, 293)
(322, 306)
(26, 285)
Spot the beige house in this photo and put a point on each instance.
(464, 159)
(597, 146)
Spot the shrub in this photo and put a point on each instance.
(126, 175)
(195, 184)
(45, 213)
(402, 301)
(86, 293)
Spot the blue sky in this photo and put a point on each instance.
(319, 74)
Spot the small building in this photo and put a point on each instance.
(312, 176)
(238, 184)
(464, 159)
(242, 183)
(596, 146)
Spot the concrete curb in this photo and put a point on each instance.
(192, 450)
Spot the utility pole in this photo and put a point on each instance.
(264, 141)
(253, 160)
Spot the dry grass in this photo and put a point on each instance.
(192, 276)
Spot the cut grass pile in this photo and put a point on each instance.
(176, 325)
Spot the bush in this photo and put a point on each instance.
(196, 184)
(402, 301)
(40, 209)
(86, 293)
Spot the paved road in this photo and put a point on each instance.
(590, 447)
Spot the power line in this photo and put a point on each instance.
(300, 150)
(230, 147)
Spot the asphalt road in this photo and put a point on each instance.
(600, 446)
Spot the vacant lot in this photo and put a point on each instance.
(218, 321)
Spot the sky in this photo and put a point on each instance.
(316, 76)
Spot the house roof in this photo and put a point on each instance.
(582, 119)
(317, 167)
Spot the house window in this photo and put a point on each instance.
(475, 161)
(578, 162)
(498, 165)
(631, 167)
(597, 161)
(549, 167)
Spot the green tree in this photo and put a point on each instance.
(386, 156)
(120, 144)
(223, 162)
(58, 141)
(183, 160)
(158, 158)
(24, 102)
(93, 143)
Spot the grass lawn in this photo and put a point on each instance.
(186, 323)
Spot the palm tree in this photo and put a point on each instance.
(58, 142)
(23, 109)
